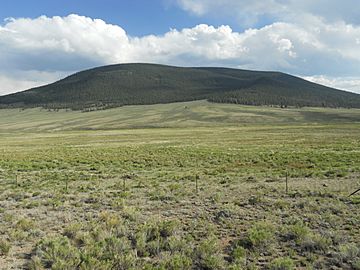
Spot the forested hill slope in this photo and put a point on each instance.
(133, 84)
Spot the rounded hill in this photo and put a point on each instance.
(135, 84)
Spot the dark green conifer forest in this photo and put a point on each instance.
(137, 84)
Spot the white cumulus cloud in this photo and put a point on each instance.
(44, 49)
(251, 11)
(15, 80)
(351, 84)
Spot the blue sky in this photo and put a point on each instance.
(46, 40)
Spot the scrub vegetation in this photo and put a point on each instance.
(191, 185)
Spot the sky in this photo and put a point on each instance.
(42, 41)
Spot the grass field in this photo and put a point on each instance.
(180, 186)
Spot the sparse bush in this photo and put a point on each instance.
(18, 235)
(313, 242)
(238, 256)
(167, 228)
(35, 263)
(82, 239)
(176, 243)
(356, 264)
(110, 220)
(154, 237)
(208, 255)
(281, 204)
(25, 224)
(261, 235)
(140, 243)
(355, 200)
(57, 253)
(8, 217)
(130, 213)
(72, 230)
(178, 261)
(282, 264)
(153, 247)
(349, 252)
(5, 247)
(113, 246)
(125, 260)
(236, 266)
(297, 231)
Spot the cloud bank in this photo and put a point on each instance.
(38, 51)
(250, 11)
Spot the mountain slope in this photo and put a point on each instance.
(132, 84)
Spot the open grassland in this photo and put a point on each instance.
(180, 186)
(183, 114)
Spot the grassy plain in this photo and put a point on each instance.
(180, 186)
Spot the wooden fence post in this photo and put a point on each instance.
(197, 184)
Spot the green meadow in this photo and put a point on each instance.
(193, 185)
